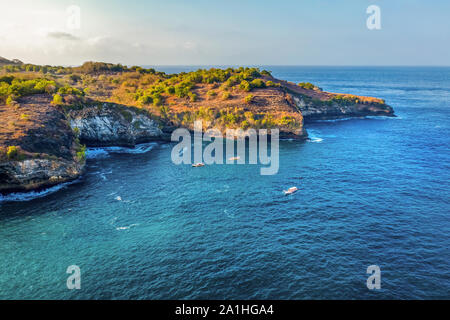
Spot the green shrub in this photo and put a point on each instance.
(245, 86)
(157, 101)
(25, 117)
(81, 154)
(245, 125)
(76, 131)
(258, 83)
(306, 85)
(145, 99)
(249, 98)
(10, 101)
(192, 97)
(57, 99)
(70, 90)
(226, 95)
(270, 83)
(12, 152)
(170, 90)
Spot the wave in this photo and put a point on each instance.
(359, 118)
(28, 196)
(104, 152)
(383, 118)
(127, 227)
(318, 140)
(313, 136)
(93, 153)
(337, 120)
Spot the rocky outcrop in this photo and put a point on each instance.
(315, 104)
(113, 125)
(329, 110)
(37, 146)
(30, 174)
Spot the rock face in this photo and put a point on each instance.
(32, 174)
(315, 104)
(314, 110)
(111, 124)
(46, 139)
(46, 151)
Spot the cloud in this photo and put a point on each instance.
(62, 36)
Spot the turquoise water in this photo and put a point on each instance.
(372, 191)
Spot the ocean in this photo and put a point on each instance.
(372, 191)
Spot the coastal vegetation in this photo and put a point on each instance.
(229, 98)
(177, 99)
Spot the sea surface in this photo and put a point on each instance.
(372, 191)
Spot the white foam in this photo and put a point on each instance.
(28, 196)
(92, 153)
(337, 120)
(383, 118)
(104, 152)
(313, 136)
(317, 140)
(359, 118)
(127, 227)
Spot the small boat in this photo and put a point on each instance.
(196, 165)
(234, 158)
(290, 190)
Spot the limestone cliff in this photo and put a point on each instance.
(41, 144)
(110, 124)
(315, 104)
(37, 146)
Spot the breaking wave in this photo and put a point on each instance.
(104, 152)
(28, 196)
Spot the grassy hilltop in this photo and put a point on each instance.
(230, 98)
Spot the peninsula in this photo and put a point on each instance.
(49, 115)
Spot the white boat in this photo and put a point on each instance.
(196, 165)
(290, 190)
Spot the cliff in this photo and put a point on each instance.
(37, 146)
(109, 124)
(316, 104)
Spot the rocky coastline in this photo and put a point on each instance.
(43, 144)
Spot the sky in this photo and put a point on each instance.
(231, 32)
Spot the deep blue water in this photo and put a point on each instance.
(372, 191)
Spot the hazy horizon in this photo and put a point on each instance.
(205, 33)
